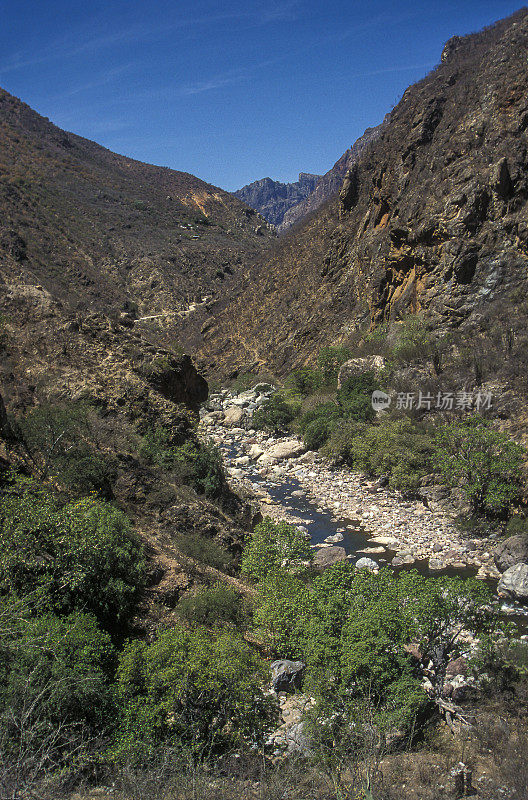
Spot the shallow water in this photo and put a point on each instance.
(321, 523)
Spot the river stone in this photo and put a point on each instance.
(327, 556)
(514, 582)
(401, 559)
(233, 416)
(336, 537)
(367, 563)
(290, 449)
(255, 451)
(511, 551)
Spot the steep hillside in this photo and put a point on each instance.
(432, 218)
(99, 229)
(89, 242)
(329, 184)
(274, 199)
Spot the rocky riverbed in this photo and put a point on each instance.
(345, 514)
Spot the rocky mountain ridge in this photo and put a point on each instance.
(274, 199)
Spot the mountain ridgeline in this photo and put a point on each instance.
(274, 199)
(430, 219)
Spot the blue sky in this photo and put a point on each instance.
(230, 91)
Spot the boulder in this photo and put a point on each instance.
(511, 551)
(514, 582)
(327, 556)
(355, 366)
(232, 416)
(286, 676)
(283, 450)
(402, 559)
(367, 563)
(458, 666)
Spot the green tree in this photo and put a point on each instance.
(56, 698)
(397, 449)
(486, 463)
(82, 555)
(189, 689)
(275, 546)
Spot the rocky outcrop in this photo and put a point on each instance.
(514, 582)
(274, 199)
(176, 379)
(511, 551)
(287, 676)
(327, 556)
(357, 366)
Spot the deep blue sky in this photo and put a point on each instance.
(229, 91)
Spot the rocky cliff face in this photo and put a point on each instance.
(273, 199)
(431, 218)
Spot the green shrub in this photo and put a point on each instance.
(354, 398)
(57, 436)
(316, 424)
(396, 449)
(189, 689)
(351, 629)
(83, 555)
(195, 462)
(56, 698)
(214, 605)
(302, 382)
(275, 546)
(486, 464)
(330, 359)
(205, 550)
(274, 415)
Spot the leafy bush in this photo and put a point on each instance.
(302, 382)
(57, 436)
(487, 464)
(396, 449)
(196, 462)
(351, 629)
(317, 423)
(330, 359)
(213, 605)
(79, 556)
(274, 414)
(205, 550)
(354, 398)
(189, 689)
(55, 696)
(275, 546)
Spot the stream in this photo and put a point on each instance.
(285, 496)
